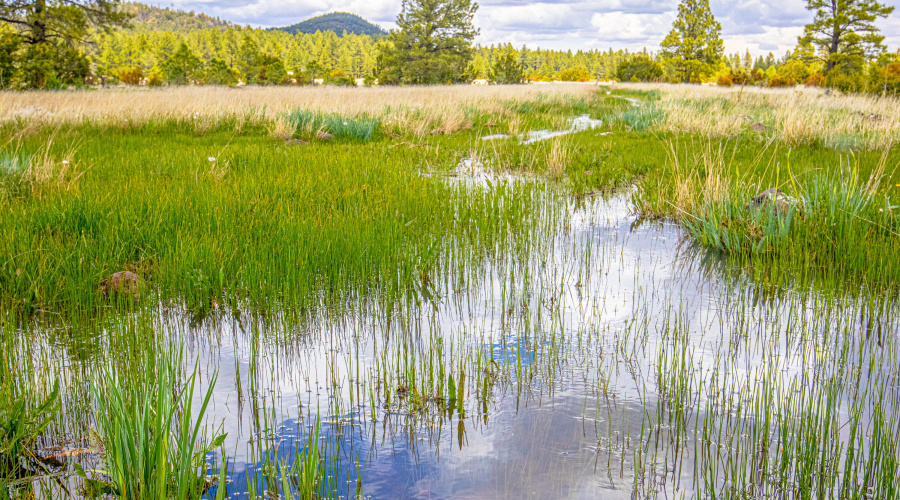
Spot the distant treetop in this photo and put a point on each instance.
(338, 22)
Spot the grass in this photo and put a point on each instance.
(841, 223)
(420, 303)
(282, 222)
(154, 445)
(311, 125)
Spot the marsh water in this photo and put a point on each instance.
(613, 359)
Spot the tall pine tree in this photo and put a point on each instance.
(433, 44)
(844, 31)
(694, 46)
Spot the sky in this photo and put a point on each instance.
(762, 26)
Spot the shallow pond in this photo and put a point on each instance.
(615, 360)
(612, 360)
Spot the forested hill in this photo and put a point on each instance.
(150, 17)
(337, 22)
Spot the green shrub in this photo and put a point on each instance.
(640, 68)
(575, 75)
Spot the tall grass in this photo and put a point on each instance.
(311, 123)
(794, 116)
(304, 224)
(839, 221)
(155, 443)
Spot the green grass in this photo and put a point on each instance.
(261, 223)
(154, 445)
(356, 128)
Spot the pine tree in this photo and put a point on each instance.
(49, 31)
(844, 31)
(507, 68)
(433, 44)
(693, 48)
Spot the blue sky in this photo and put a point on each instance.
(759, 25)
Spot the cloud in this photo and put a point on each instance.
(758, 25)
(630, 29)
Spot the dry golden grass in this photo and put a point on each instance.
(420, 110)
(282, 128)
(558, 156)
(793, 115)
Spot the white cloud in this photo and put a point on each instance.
(633, 29)
(758, 25)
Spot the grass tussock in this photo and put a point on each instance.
(154, 442)
(837, 222)
(46, 169)
(311, 124)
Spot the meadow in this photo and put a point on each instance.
(561, 291)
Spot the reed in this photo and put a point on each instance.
(154, 443)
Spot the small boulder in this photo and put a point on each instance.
(873, 117)
(121, 283)
(772, 197)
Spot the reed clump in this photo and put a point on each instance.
(153, 442)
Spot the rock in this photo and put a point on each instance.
(875, 117)
(122, 282)
(772, 197)
(759, 127)
(323, 136)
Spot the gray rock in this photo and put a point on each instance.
(772, 197)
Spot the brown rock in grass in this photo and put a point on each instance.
(121, 283)
(872, 117)
(772, 197)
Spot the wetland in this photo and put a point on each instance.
(449, 292)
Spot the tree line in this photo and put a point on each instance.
(84, 42)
